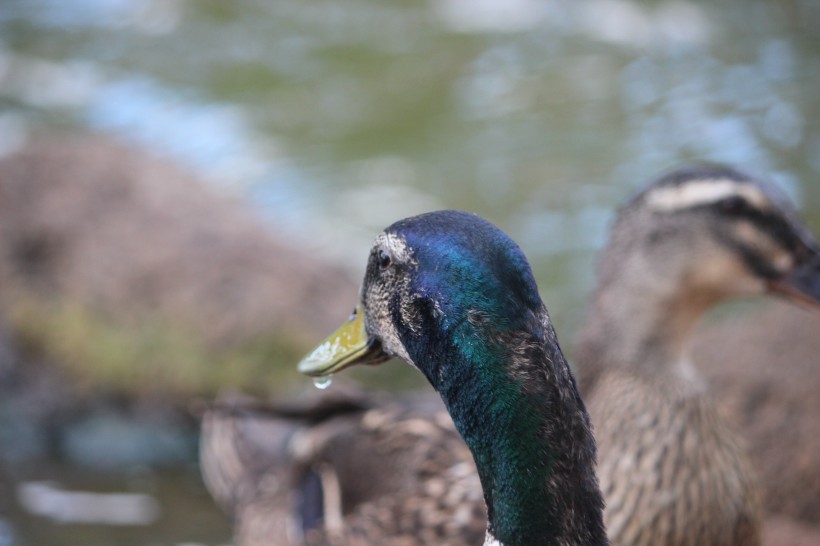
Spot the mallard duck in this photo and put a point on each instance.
(672, 471)
(452, 295)
(650, 239)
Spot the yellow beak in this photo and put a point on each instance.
(348, 345)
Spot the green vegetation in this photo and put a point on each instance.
(160, 356)
(154, 355)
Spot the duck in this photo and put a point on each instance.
(325, 463)
(672, 470)
(455, 297)
(694, 224)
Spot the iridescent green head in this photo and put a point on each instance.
(432, 281)
(454, 296)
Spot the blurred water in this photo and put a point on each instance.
(335, 118)
(55, 504)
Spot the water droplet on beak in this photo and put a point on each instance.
(323, 382)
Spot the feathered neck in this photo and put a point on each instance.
(643, 326)
(514, 401)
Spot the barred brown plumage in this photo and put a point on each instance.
(407, 477)
(672, 471)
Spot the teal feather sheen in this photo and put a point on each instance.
(482, 337)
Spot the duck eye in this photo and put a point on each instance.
(384, 259)
(732, 205)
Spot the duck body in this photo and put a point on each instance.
(672, 471)
(345, 468)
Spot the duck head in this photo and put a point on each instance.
(716, 232)
(431, 281)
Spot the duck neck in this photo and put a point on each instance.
(643, 327)
(515, 403)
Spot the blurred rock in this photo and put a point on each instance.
(89, 220)
(764, 368)
(93, 223)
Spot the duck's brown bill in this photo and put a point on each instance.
(802, 284)
(348, 345)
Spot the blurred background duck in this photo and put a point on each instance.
(392, 469)
(671, 470)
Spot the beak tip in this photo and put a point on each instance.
(316, 363)
(309, 368)
(346, 346)
(801, 285)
